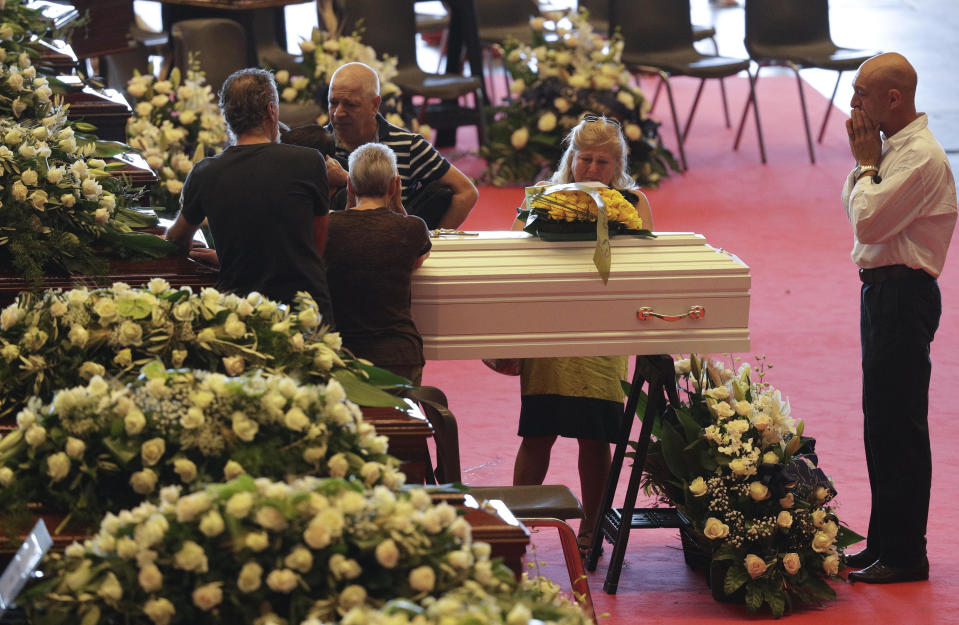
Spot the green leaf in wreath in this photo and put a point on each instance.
(776, 598)
(396, 606)
(156, 370)
(123, 452)
(754, 596)
(382, 378)
(846, 537)
(690, 427)
(364, 393)
(134, 307)
(736, 576)
(106, 149)
(673, 445)
(725, 553)
(819, 588)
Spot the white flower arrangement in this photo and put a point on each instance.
(556, 80)
(57, 201)
(254, 551)
(735, 463)
(176, 123)
(102, 446)
(534, 601)
(63, 338)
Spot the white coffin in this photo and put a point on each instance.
(508, 294)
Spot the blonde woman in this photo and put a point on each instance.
(579, 397)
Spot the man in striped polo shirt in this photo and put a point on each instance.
(433, 188)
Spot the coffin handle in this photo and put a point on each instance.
(695, 312)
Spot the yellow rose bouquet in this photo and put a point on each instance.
(570, 211)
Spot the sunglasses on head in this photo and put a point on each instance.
(593, 117)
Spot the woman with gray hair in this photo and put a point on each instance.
(579, 397)
(371, 253)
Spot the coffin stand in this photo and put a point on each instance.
(510, 295)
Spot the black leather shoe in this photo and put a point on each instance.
(879, 573)
(860, 559)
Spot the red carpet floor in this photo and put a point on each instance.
(785, 220)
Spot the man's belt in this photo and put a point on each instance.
(891, 272)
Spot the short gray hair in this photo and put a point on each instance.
(372, 170)
(360, 72)
(244, 98)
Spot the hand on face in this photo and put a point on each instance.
(864, 140)
(335, 174)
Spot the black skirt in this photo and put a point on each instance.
(572, 417)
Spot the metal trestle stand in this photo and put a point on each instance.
(657, 372)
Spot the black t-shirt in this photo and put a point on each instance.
(369, 259)
(260, 201)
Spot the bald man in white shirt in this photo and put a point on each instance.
(901, 202)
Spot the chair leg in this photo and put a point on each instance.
(692, 111)
(722, 87)
(574, 563)
(759, 127)
(659, 87)
(805, 114)
(832, 99)
(722, 90)
(664, 80)
(481, 118)
(752, 102)
(444, 38)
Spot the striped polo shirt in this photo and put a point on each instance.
(417, 161)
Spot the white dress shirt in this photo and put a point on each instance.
(908, 217)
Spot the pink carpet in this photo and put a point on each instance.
(785, 221)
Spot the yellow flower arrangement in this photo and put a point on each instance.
(580, 206)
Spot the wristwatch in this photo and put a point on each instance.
(861, 169)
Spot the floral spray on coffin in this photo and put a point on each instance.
(581, 211)
(61, 339)
(737, 467)
(104, 446)
(313, 551)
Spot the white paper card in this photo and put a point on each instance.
(23, 565)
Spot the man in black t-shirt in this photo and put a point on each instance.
(267, 203)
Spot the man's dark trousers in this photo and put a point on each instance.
(898, 319)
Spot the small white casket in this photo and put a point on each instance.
(509, 294)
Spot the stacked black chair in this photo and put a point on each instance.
(658, 38)
(218, 44)
(795, 34)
